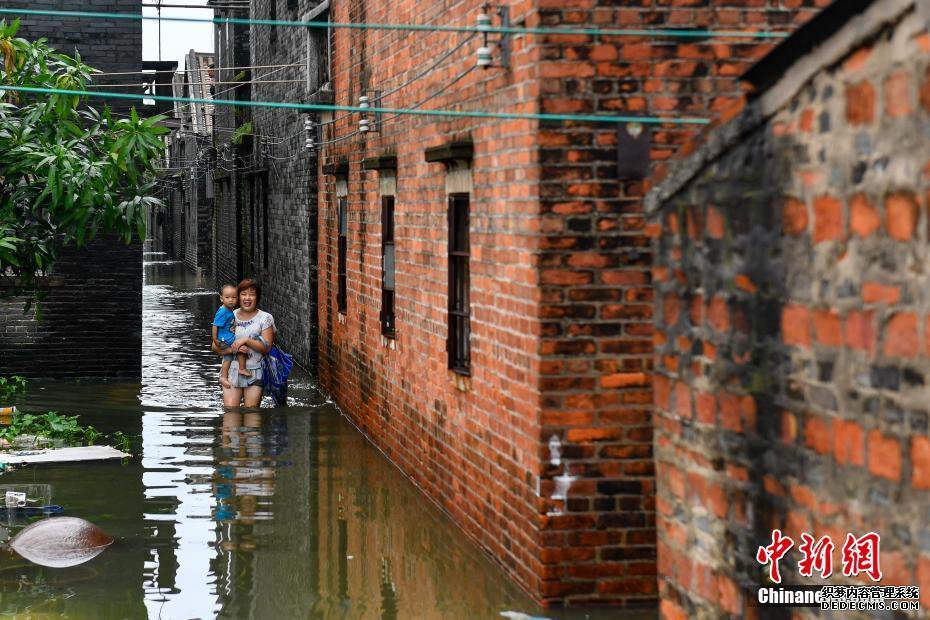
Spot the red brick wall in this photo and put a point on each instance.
(475, 450)
(792, 350)
(561, 303)
(594, 264)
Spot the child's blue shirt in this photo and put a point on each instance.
(225, 321)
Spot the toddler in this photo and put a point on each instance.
(224, 332)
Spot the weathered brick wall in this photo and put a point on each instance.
(792, 349)
(594, 262)
(472, 444)
(107, 45)
(231, 50)
(283, 206)
(91, 322)
(563, 348)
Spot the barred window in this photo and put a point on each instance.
(387, 266)
(273, 16)
(343, 254)
(459, 314)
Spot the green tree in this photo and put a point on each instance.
(68, 171)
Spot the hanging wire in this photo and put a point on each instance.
(416, 105)
(140, 84)
(425, 72)
(613, 32)
(321, 107)
(156, 71)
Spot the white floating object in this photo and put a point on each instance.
(61, 455)
(60, 542)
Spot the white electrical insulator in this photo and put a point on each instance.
(484, 21)
(363, 125)
(309, 131)
(484, 56)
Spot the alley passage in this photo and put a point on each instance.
(287, 514)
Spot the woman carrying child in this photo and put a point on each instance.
(254, 332)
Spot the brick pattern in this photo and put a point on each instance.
(564, 347)
(793, 338)
(107, 45)
(92, 323)
(287, 177)
(597, 302)
(230, 185)
(472, 444)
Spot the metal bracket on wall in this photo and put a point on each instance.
(502, 41)
(633, 143)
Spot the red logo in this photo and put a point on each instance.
(817, 556)
(773, 553)
(861, 555)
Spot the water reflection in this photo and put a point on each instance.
(280, 513)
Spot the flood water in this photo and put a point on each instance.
(286, 513)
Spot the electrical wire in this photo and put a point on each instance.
(430, 97)
(612, 32)
(156, 71)
(425, 72)
(321, 107)
(198, 83)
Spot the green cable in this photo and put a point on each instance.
(318, 107)
(488, 29)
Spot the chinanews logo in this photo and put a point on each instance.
(860, 557)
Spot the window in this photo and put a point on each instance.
(273, 15)
(387, 266)
(265, 227)
(341, 293)
(459, 249)
(319, 44)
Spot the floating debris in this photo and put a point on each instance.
(62, 455)
(59, 542)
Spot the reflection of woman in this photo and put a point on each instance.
(254, 337)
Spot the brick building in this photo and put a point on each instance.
(102, 282)
(188, 185)
(484, 285)
(792, 333)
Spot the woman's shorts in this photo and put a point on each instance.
(239, 381)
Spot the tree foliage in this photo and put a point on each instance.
(68, 171)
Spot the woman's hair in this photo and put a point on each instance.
(250, 283)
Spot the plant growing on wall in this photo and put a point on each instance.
(68, 172)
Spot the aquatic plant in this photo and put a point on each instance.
(52, 426)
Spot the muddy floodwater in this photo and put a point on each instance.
(286, 513)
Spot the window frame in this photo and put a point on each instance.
(388, 316)
(342, 243)
(318, 77)
(273, 16)
(459, 310)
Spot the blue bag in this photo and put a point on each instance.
(276, 367)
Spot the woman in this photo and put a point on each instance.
(254, 337)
